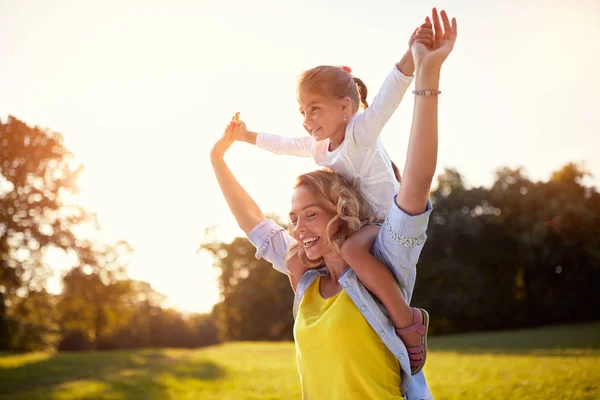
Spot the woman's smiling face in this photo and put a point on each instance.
(308, 222)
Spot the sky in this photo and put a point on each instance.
(141, 90)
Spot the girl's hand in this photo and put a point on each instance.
(240, 133)
(223, 144)
(443, 42)
(423, 34)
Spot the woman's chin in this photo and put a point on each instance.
(313, 255)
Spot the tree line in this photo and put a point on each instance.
(517, 254)
(99, 307)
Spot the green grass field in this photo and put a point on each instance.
(560, 362)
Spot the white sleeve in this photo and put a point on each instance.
(271, 242)
(299, 147)
(369, 124)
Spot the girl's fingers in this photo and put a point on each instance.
(429, 38)
(426, 42)
(454, 28)
(426, 37)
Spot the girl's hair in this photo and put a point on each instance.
(335, 82)
(337, 196)
(396, 172)
(338, 83)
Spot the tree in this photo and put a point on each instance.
(37, 183)
(257, 300)
(521, 253)
(97, 296)
(33, 325)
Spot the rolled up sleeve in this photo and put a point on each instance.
(271, 241)
(401, 239)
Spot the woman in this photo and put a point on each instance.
(346, 344)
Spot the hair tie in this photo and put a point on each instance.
(347, 69)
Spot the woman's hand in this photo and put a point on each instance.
(244, 209)
(443, 42)
(224, 143)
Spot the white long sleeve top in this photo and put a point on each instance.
(361, 158)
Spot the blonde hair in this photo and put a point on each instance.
(337, 196)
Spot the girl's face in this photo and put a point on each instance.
(324, 117)
(308, 221)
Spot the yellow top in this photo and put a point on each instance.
(339, 355)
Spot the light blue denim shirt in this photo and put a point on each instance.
(398, 245)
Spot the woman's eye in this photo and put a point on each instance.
(310, 215)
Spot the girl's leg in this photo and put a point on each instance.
(410, 323)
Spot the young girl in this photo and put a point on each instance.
(347, 142)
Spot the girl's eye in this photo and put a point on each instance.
(315, 109)
(311, 215)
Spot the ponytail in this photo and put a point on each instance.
(362, 91)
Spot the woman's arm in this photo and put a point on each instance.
(244, 208)
(270, 239)
(404, 232)
(421, 159)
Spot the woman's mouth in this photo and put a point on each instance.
(310, 241)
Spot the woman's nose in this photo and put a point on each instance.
(299, 228)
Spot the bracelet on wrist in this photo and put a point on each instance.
(427, 92)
